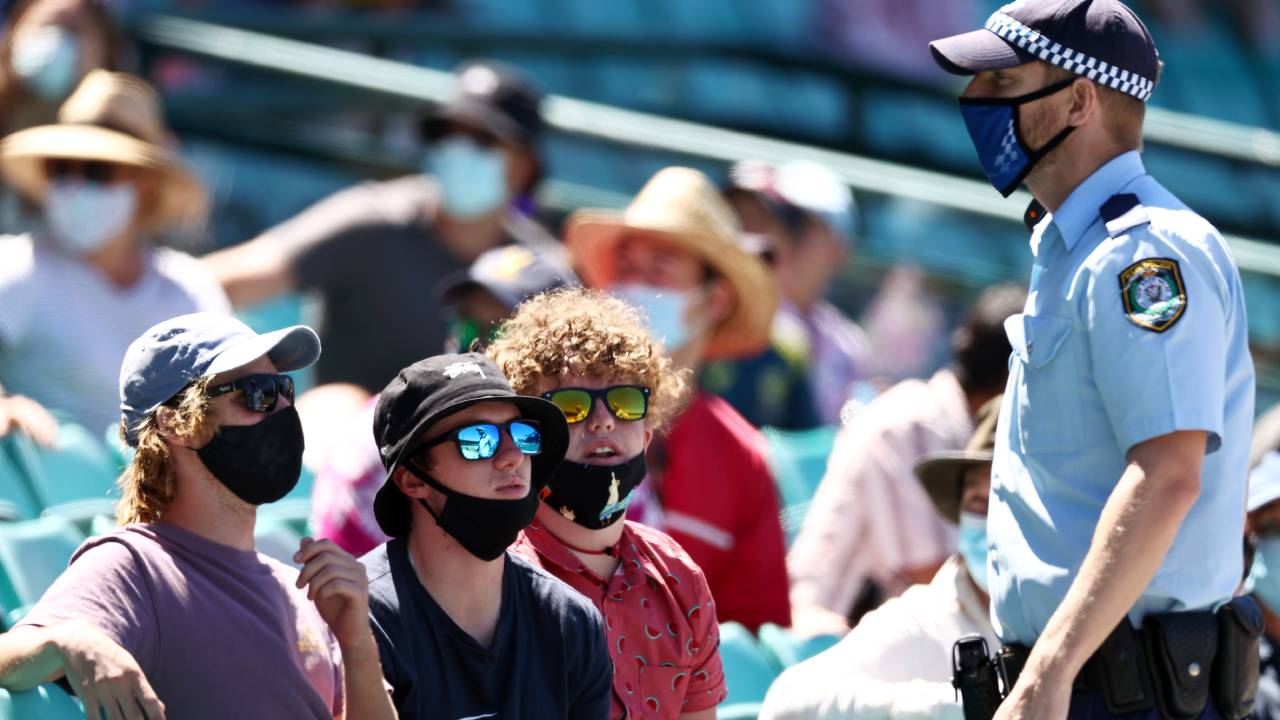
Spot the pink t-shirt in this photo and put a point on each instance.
(218, 632)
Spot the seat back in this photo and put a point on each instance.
(786, 648)
(798, 460)
(46, 702)
(747, 671)
(78, 468)
(19, 502)
(33, 553)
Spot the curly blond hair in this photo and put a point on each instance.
(147, 485)
(577, 331)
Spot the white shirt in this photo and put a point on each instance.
(64, 326)
(870, 518)
(895, 664)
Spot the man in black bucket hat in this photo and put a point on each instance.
(464, 628)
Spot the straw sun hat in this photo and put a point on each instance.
(681, 207)
(111, 117)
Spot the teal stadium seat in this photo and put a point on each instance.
(78, 468)
(33, 553)
(46, 702)
(748, 671)
(787, 649)
(17, 502)
(798, 460)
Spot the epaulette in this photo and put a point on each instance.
(1123, 212)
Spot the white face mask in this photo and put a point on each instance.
(46, 59)
(83, 216)
(665, 308)
(473, 179)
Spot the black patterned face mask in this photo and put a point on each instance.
(594, 496)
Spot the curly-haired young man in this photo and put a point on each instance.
(591, 355)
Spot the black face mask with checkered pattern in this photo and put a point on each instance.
(995, 128)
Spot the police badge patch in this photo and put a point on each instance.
(1153, 293)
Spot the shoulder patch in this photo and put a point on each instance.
(1123, 212)
(1153, 293)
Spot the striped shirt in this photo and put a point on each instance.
(64, 326)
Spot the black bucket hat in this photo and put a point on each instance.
(430, 390)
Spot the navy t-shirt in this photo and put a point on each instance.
(548, 659)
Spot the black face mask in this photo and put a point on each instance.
(594, 496)
(483, 526)
(260, 463)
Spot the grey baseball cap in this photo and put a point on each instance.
(512, 273)
(171, 354)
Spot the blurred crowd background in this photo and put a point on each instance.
(830, 110)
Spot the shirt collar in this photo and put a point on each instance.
(1080, 210)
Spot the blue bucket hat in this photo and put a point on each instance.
(172, 354)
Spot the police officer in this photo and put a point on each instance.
(1120, 469)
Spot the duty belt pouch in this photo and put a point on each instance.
(1119, 670)
(1180, 651)
(1235, 670)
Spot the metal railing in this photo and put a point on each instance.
(626, 127)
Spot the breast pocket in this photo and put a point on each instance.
(1045, 376)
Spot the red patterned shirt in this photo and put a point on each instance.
(659, 618)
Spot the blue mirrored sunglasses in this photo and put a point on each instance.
(480, 441)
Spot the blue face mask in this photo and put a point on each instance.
(46, 60)
(996, 132)
(1264, 576)
(665, 309)
(473, 179)
(973, 546)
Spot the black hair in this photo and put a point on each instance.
(980, 345)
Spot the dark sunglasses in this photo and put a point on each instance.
(626, 402)
(480, 441)
(92, 170)
(479, 137)
(260, 391)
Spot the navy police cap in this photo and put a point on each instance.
(1102, 40)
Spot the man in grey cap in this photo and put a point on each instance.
(175, 613)
(1119, 479)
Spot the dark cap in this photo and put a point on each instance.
(429, 391)
(942, 473)
(1102, 40)
(512, 273)
(494, 97)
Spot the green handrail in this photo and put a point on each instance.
(418, 84)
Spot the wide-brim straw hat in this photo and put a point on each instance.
(111, 117)
(680, 206)
(942, 473)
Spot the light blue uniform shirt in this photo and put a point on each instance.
(1087, 382)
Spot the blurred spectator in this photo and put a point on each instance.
(174, 613)
(1262, 530)
(890, 36)
(870, 532)
(897, 662)
(905, 326)
(1266, 435)
(808, 217)
(24, 415)
(493, 286)
(376, 252)
(351, 472)
(49, 46)
(75, 293)
(563, 347)
(674, 253)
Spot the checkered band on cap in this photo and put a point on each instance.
(1064, 57)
